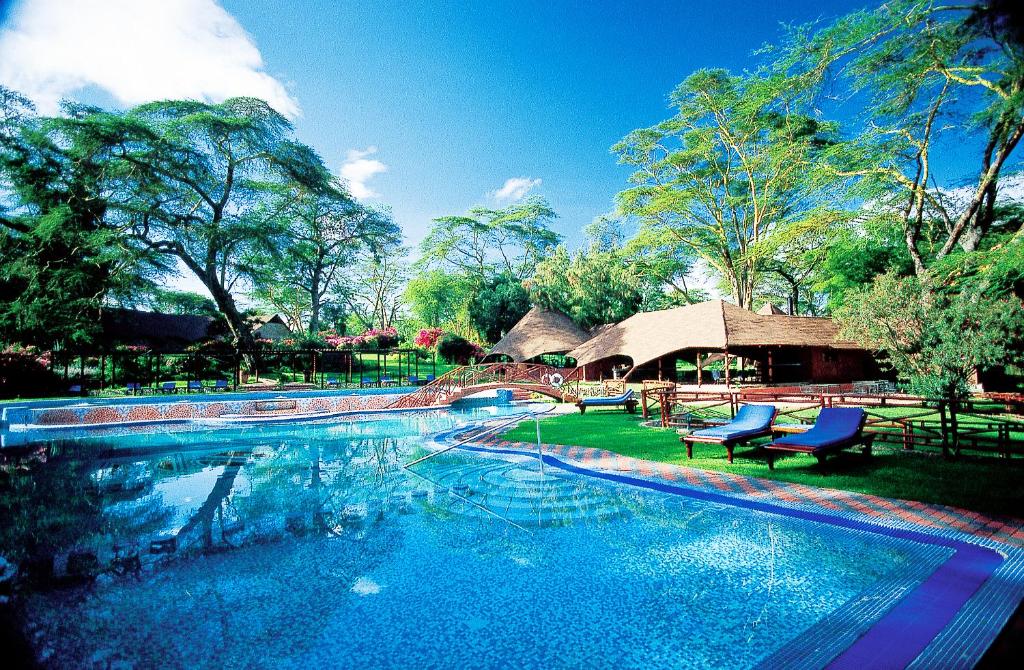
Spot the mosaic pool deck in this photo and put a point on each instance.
(948, 624)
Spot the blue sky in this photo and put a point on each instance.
(459, 99)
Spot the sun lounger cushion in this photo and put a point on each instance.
(751, 420)
(834, 426)
(617, 400)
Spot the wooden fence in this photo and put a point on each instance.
(979, 424)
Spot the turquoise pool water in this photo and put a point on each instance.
(309, 545)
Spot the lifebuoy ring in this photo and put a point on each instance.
(556, 380)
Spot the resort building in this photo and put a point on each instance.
(775, 347)
(541, 332)
(271, 327)
(154, 330)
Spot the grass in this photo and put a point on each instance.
(987, 485)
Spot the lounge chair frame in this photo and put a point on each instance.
(728, 443)
(628, 402)
(821, 453)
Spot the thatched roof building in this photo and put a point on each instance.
(153, 329)
(775, 340)
(541, 331)
(271, 327)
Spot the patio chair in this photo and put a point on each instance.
(835, 429)
(430, 378)
(626, 400)
(75, 389)
(751, 422)
(169, 387)
(332, 382)
(196, 386)
(132, 388)
(414, 380)
(220, 385)
(366, 381)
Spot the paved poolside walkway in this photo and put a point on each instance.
(1005, 530)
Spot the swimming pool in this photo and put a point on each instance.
(309, 544)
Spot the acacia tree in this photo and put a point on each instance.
(732, 168)
(374, 292)
(324, 230)
(441, 299)
(935, 340)
(932, 74)
(487, 241)
(60, 258)
(192, 181)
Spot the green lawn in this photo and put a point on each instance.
(988, 485)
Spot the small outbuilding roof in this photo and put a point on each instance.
(540, 331)
(709, 326)
(768, 309)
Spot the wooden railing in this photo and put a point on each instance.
(908, 422)
(559, 383)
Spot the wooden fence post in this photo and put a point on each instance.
(944, 427)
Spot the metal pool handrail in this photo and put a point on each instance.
(476, 436)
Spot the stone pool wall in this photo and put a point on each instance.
(197, 409)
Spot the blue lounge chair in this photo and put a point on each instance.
(366, 381)
(132, 388)
(220, 385)
(836, 428)
(195, 386)
(752, 421)
(430, 378)
(332, 382)
(75, 389)
(626, 400)
(169, 387)
(414, 380)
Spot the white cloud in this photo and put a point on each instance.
(515, 188)
(358, 168)
(136, 50)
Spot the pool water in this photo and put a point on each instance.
(308, 544)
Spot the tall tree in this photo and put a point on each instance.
(441, 299)
(591, 287)
(500, 304)
(488, 241)
(324, 230)
(931, 77)
(374, 292)
(733, 167)
(193, 181)
(60, 259)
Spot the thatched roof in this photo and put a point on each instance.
(152, 329)
(768, 309)
(541, 331)
(715, 325)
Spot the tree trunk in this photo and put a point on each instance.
(314, 307)
(236, 322)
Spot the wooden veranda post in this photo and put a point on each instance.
(728, 364)
(700, 369)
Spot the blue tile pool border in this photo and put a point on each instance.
(908, 628)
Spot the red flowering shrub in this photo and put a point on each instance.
(428, 338)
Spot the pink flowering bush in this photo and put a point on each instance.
(374, 338)
(24, 371)
(428, 338)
